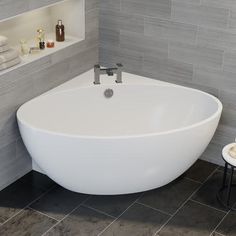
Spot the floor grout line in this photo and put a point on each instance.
(155, 209)
(66, 216)
(214, 208)
(184, 203)
(217, 233)
(42, 213)
(195, 181)
(102, 212)
(36, 199)
(120, 215)
(214, 230)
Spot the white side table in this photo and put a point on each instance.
(230, 164)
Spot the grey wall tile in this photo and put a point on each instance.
(83, 62)
(214, 78)
(199, 14)
(9, 8)
(91, 21)
(30, 80)
(91, 4)
(228, 4)
(222, 39)
(109, 37)
(159, 8)
(173, 31)
(145, 45)
(229, 117)
(196, 54)
(232, 19)
(117, 20)
(12, 166)
(230, 61)
(168, 70)
(200, 37)
(33, 4)
(228, 98)
(51, 77)
(110, 4)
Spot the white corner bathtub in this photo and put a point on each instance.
(143, 137)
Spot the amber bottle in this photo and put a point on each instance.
(60, 31)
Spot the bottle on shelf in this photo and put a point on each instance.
(60, 31)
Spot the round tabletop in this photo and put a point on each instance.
(226, 156)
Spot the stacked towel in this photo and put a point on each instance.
(8, 57)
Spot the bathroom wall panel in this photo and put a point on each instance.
(11, 163)
(160, 8)
(30, 80)
(117, 20)
(195, 54)
(170, 30)
(199, 14)
(9, 8)
(217, 38)
(36, 4)
(201, 40)
(110, 4)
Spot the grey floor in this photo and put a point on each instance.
(35, 205)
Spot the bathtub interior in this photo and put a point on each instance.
(133, 110)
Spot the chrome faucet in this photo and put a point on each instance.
(109, 71)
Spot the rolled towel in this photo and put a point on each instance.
(9, 64)
(8, 55)
(3, 40)
(4, 48)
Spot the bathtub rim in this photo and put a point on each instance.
(52, 92)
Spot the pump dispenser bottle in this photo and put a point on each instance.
(60, 31)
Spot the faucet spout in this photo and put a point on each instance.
(109, 71)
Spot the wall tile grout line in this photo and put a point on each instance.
(66, 216)
(41, 213)
(19, 212)
(184, 203)
(120, 215)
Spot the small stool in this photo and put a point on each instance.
(229, 161)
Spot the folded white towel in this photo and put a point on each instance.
(11, 63)
(3, 40)
(8, 55)
(4, 48)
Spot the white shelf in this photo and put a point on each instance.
(24, 26)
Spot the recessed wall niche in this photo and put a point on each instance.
(25, 25)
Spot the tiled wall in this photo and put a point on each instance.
(26, 82)
(188, 42)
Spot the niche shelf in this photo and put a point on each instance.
(25, 25)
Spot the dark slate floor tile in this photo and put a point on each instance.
(112, 205)
(228, 225)
(170, 197)
(193, 219)
(217, 234)
(29, 222)
(207, 193)
(200, 171)
(19, 194)
(58, 202)
(138, 220)
(82, 222)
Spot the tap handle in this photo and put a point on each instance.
(119, 65)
